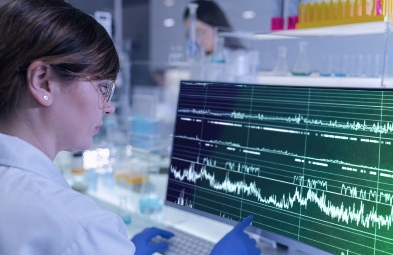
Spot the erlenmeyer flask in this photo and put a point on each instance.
(281, 67)
(302, 64)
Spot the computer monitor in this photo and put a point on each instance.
(314, 165)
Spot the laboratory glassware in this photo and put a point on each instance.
(326, 67)
(192, 46)
(302, 63)
(341, 65)
(281, 66)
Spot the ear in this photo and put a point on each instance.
(38, 82)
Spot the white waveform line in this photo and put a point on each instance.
(182, 201)
(207, 161)
(204, 84)
(374, 128)
(285, 153)
(310, 183)
(241, 167)
(231, 166)
(367, 195)
(342, 213)
(209, 141)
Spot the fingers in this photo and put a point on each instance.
(164, 233)
(153, 232)
(243, 224)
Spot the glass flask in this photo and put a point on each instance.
(326, 65)
(302, 63)
(281, 66)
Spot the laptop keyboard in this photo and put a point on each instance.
(184, 244)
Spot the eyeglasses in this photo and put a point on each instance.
(107, 89)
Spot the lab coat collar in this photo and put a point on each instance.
(15, 152)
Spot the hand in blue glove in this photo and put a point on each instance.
(142, 241)
(237, 242)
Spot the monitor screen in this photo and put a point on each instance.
(314, 165)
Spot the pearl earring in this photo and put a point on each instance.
(46, 98)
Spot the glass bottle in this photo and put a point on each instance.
(281, 66)
(302, 63)
(78, 173)
(192, 46)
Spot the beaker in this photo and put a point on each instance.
(281, 66)
(373, 65)
(302, 63)
(356, 65)
(326, 65)
(218, 53)
(341, 66)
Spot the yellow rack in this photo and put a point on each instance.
(341, 12)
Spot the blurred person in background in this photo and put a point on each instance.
(211, 21)
(210, 16)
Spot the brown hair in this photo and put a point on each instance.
(73, 43)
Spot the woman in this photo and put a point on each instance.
(57, 67)
(229, 50)
(210, 17)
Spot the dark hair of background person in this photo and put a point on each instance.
(73, 43)
(210, 13)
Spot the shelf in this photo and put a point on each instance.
(319, 81)
(368, 28)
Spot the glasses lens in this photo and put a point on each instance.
(107, 89)
(110, 90)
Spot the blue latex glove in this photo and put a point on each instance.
(142, 241)
(237, 242)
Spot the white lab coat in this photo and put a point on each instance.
(41, 214)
